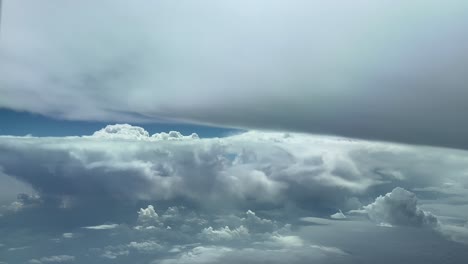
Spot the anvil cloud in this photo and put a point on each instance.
(385, 70)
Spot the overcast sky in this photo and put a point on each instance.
(203, 132)
(386, 70)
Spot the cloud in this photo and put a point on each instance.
(338, 215)
(25, 201)
(122, 250)
(255, 197)
(17, 248)
(399, 207)
(292, 251)
(200, 255)
(300, 66)
(122, 131)
(114, 254)
(126, 131)
(102, 227)
(53, 259)
(145, 246)
(253, 170)
(224, 233)
(68, 235)
(148, 216)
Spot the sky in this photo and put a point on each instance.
(160, 132)
(25, 123)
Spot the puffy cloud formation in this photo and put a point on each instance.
(224, 233)
(253, 170)
(148, 215)
(173, 135)
(255, 197)
(126, 131)
(122, 131)
(399, 207)
(355, 69)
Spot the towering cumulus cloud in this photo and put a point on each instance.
(125, 196)
(399, 207)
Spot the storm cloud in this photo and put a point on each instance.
(386, 70)
(124, 195)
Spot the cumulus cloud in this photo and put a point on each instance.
(224, 233)
(253, 170)
(122, 131)
(399, 207)
(355, 69)
(148, 216)
(174, 135)
(126, 131)
(254, 197)
(145, 246)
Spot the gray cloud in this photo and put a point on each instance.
(254, 197)
(374, 70)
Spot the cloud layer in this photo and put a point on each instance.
(377, 70)
(122, 195)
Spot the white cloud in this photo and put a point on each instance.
(53, 259)
(122, 131)
(241, 195)
(102, 227)
(199, 255)
(399, 207)
(126, 131)
(148, 216)
(338, 215)
(18, 248)
(173, 135)
(116, 251)
(253, 169)
(145, 246)
(68, 235)
(224, 233)
(284, 249)
(287, 241)
(109, 254)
